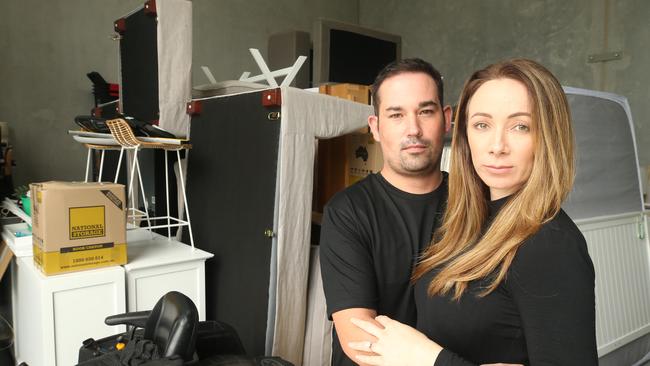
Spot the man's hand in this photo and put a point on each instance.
(348, 332)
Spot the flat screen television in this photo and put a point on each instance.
(349, 53)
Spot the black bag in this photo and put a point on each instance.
(137, 352)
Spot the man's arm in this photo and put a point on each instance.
(348, 332)
(347, 271)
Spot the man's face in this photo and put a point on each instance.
(411, 124)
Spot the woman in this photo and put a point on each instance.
(507, 277)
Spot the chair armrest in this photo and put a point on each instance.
(137, 319)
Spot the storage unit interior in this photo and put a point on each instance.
(61, 52)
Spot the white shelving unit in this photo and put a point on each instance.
(157, 265)
(54, 314)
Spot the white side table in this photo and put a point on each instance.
(157, 265)
(53, 315)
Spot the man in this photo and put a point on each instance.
(373, 231)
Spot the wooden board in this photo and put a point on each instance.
(5, 258)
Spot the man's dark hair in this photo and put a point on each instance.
(402, 66)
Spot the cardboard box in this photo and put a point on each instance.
(78, 226)
(363, 157)
(342, 161)
(331, 170)
(354, 92)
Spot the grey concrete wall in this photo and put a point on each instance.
(47, 47)
(463, 35)
(224, 33)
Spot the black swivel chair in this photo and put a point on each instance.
(172, 326)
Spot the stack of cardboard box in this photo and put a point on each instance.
(343, 160)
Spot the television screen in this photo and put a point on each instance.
(356, 58)
(348, 53)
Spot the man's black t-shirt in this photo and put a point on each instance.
(371, 236)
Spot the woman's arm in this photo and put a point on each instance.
(551, 281)
(398, 344)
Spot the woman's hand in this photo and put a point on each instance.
(397, 344)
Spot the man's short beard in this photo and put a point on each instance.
(421, 164)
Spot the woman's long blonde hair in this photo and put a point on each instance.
(461, 248)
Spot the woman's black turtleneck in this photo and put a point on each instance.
(543, 313)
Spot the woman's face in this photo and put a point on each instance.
(500, 135)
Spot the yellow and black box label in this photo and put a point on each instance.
(38, 255)
(80, 257)
(87, 222)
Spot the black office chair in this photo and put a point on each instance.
(171, 325)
